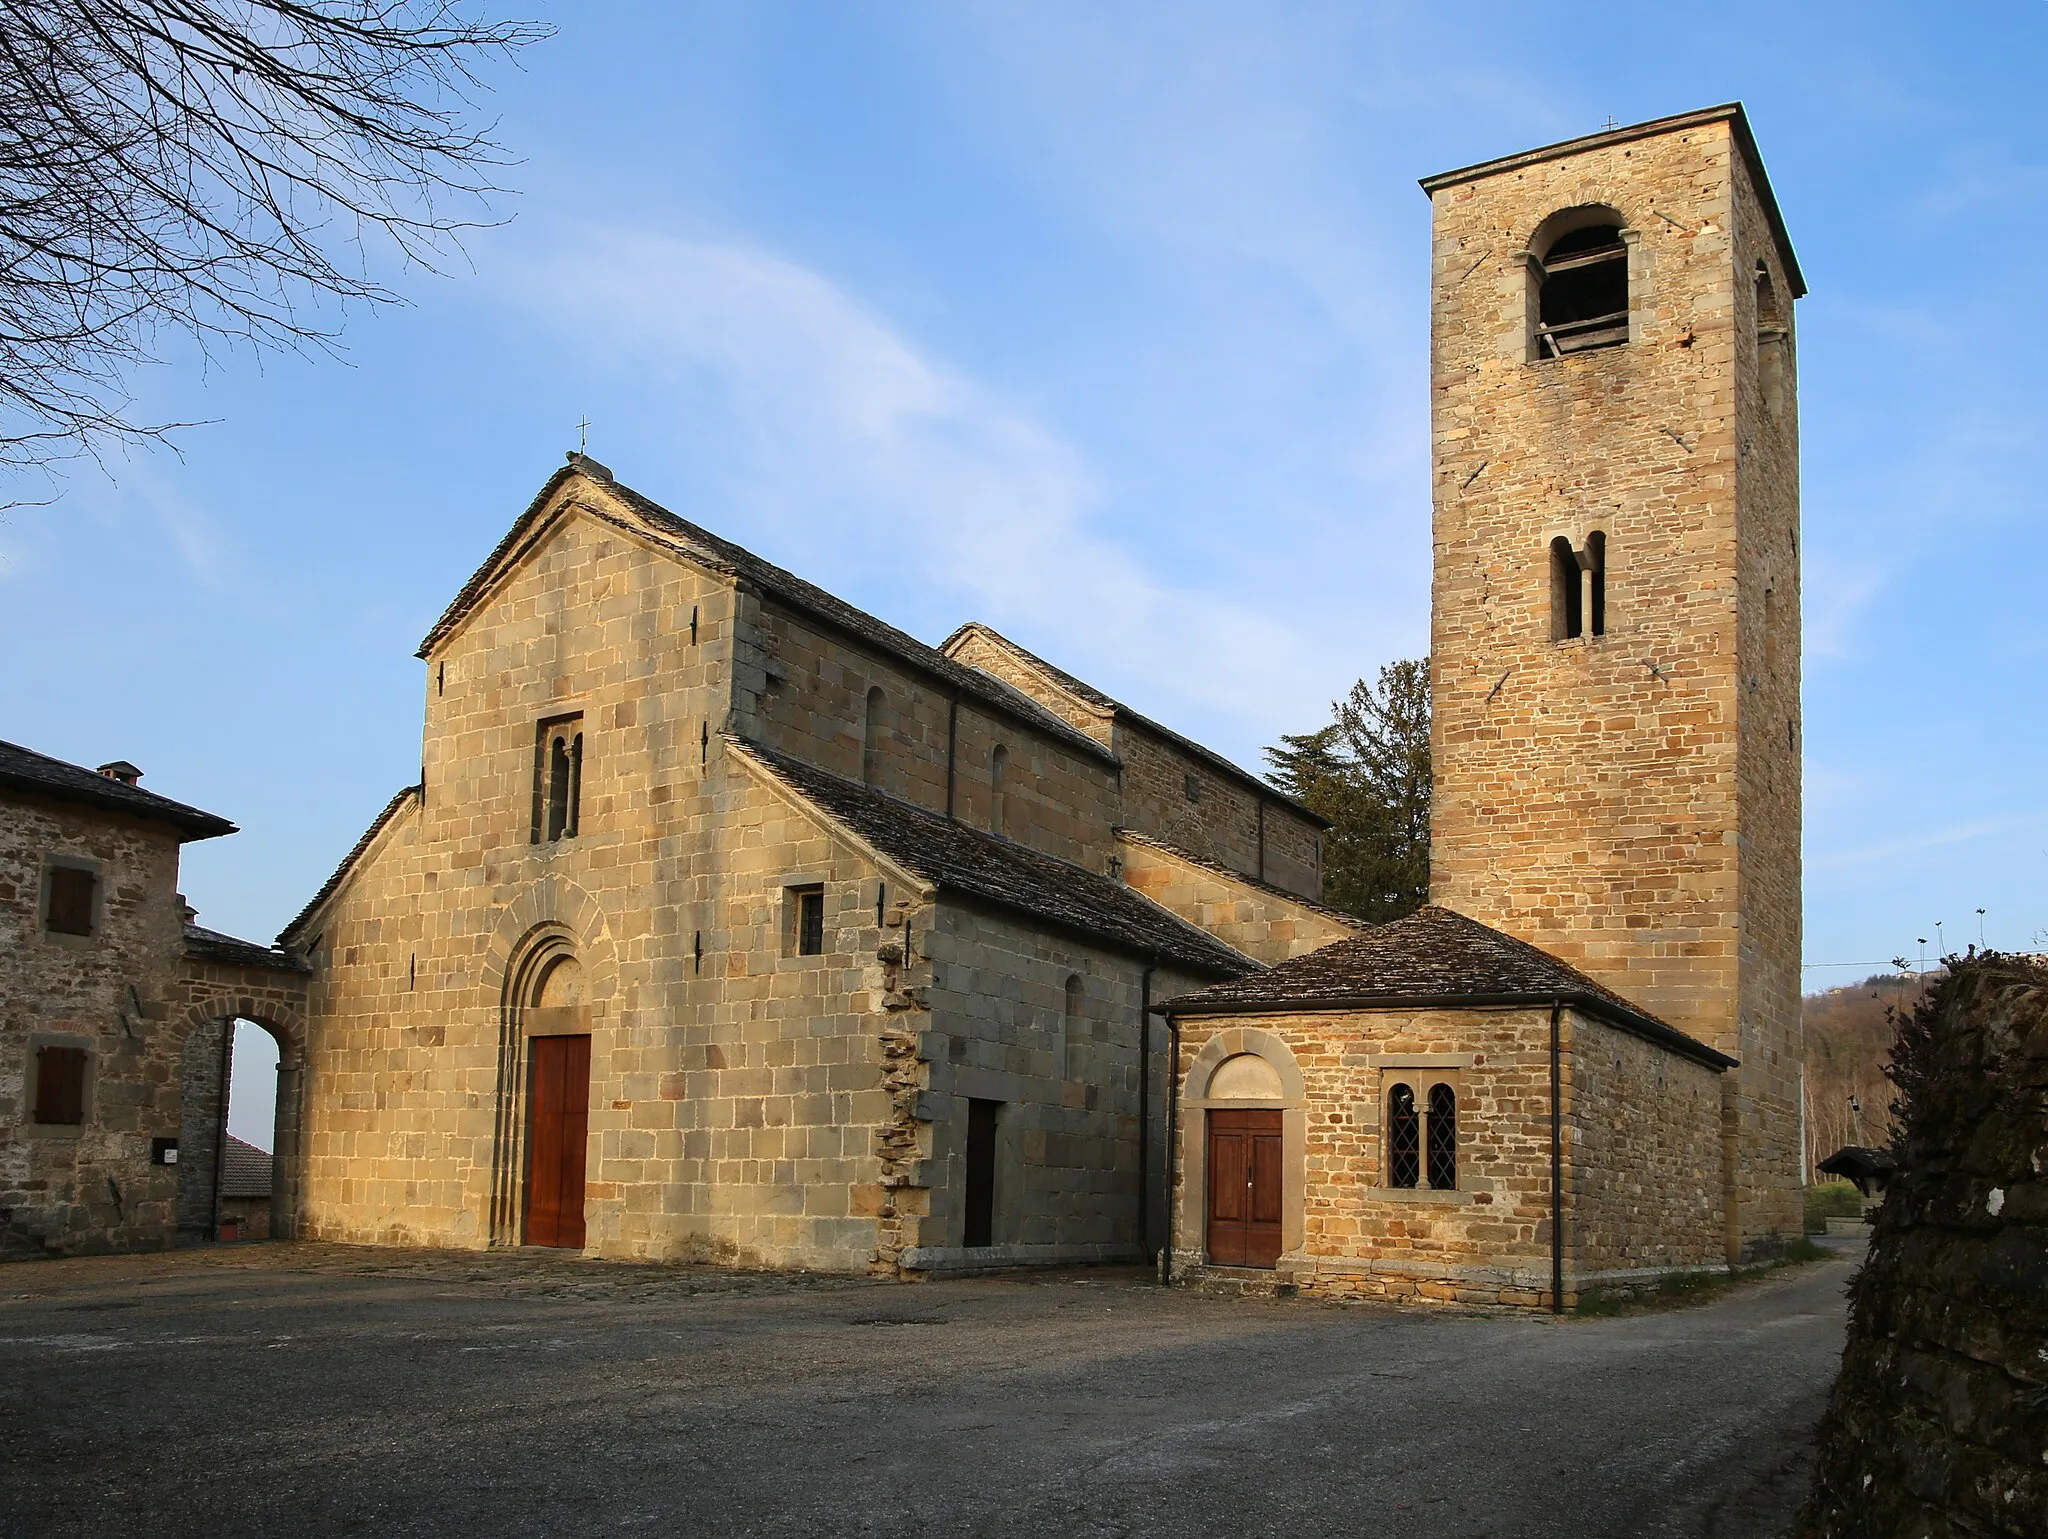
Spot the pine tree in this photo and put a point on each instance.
(1368, 773)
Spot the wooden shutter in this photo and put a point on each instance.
(60, 1086)
(71, 894)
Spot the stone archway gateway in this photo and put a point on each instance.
(1242, 1151)
(544, 1101)
(204, 1029)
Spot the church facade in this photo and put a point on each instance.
(728, 923)
(1580, 1067)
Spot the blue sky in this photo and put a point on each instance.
(1106, 325)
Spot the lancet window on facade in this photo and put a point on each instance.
(1582, 288)
(558, 778)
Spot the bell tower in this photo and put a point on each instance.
(1615, 608)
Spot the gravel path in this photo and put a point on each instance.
(312, 1390)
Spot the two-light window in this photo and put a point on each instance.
(1422, 1134)
(557, 778)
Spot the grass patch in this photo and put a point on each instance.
(1689, 1288)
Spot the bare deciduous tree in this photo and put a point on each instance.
(218, 168)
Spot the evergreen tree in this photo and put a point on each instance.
(1368, 773)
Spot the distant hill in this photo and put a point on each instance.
(1848, 1037)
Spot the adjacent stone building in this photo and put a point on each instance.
(114, 1008)
(728, 922)
(1582, 1067)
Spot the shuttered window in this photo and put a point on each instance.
(71, 905)
(60, 1086)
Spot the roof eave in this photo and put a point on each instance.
(1637, 1024)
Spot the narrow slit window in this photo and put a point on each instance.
(1443, 1137)
(1772, 336)
(998, 774)
(871, 739)
(1567, 590)
(1583, 294)
(1404, 1138)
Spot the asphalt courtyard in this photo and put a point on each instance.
(304, 1390)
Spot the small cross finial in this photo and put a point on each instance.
(583, 436)
(1610, 125)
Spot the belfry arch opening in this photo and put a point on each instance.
(1579, 270)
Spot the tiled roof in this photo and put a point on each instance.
(1228, 874)
(23, 769)
(1434, 957)
(244, 1169)
(391, 810)
(718, 554)
(958, 859)
(1117, 708)
(204, 945)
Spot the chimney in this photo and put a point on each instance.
(121, 770)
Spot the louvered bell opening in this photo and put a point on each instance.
(1585, 293)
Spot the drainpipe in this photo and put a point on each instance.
(1556, 1161)
(1145, 1105)
(1172, 1142)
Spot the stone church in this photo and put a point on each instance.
(1579, 1068)
(728, 922)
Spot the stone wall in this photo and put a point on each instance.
(1630, 801)
(1938, 1426)
(1645, 1192)
(91, 1188)
(1265, 925)
(1634, 1117)
(130, 997)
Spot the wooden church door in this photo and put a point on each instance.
(1244, 1188)
(560, 1124)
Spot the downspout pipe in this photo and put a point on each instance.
(1145, 1105)
(1172, 1145)
(1556, 1158)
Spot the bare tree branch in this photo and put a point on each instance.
(220, 168)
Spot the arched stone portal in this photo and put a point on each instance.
(205, 1029)
(1245, 1086)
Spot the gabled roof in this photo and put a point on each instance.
(1121, 712)
(327, 888)
(1730, 113)
(244, 1169)
(954, 858)
(23, 769)
(701, 547)
(204, 945)
(1217, 868)
(1434, 958)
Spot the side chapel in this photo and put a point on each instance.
(1579, 1068)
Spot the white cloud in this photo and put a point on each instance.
(824, 418)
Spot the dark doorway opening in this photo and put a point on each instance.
(1244, 1188)
(558, 1129)
(980, 1224)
